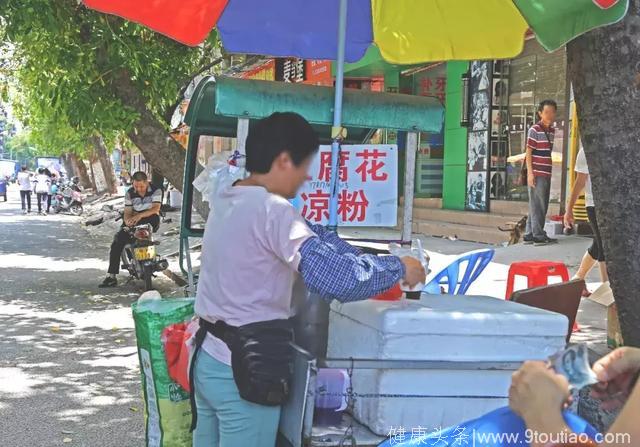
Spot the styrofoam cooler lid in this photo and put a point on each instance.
(454, 315)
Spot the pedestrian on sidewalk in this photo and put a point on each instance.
(595, 253)
(52, 182)
(539, 167)
(43, 189)
(24, 181)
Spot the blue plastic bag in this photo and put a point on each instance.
(500, 428)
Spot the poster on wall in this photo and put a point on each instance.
(499, 122)
(479, 76)
(498, 184)
(500, 91)
(368, 186)
(477, 151)
(480, 110)
(479, 136)
(477, 191)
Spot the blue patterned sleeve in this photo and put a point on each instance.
(332, 238)
(346, 276)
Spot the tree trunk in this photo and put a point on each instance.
(93, 174)
(68, 165)
(102, 154)
(157, 179)
(149, 135)
(81, 171)
(604, 68)
(160, 150)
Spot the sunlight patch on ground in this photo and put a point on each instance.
(16, 383)
(104, 319)
(33, 262)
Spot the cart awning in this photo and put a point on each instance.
(217, 104)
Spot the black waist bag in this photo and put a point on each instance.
(261, 359)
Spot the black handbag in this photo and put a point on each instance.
(261, 359)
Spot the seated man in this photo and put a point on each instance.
(141, 206)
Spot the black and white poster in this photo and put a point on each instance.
(480, 110)
(479, 76)
(500, 91)
(478, 144)
(498, 184)
(499, 122)
(477, 191)
(477, 151)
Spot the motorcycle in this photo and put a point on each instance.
(67, 198)
(139, 257)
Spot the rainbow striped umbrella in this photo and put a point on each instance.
(405, 31)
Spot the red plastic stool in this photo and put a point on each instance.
(537, 273)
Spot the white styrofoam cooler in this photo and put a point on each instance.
(438, 327)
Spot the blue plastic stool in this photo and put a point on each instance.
(476, 262)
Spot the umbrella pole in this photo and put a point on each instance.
(336, 131)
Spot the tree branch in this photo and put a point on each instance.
(168, 113)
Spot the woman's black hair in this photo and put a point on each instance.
(278, 133)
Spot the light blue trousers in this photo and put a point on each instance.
(224, 418)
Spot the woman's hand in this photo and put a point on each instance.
(538, 394)
(414, 271)
(531, 180)
(617, 373)
(569, 220)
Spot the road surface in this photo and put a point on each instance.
(68, 364)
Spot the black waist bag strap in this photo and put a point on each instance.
(261, 360)
(217, 330)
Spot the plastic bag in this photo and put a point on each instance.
(178, 343)
(167, 406)
(499, 428)
(222, 169)
(415, 251)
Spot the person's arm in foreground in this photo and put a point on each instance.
(618, 374)
(538, 395)
(578, 187)
(350, 276)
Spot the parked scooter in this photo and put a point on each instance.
(67, 198)
(139, 257)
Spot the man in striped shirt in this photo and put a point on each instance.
(539, 147)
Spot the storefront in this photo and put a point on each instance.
(490, 108)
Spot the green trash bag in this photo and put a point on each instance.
(167, 407)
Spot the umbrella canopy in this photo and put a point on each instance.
(406, 32)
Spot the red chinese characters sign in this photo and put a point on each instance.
(368, 186)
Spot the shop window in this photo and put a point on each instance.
(534, 76)
(430, 158)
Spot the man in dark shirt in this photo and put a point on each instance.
(141, 206)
